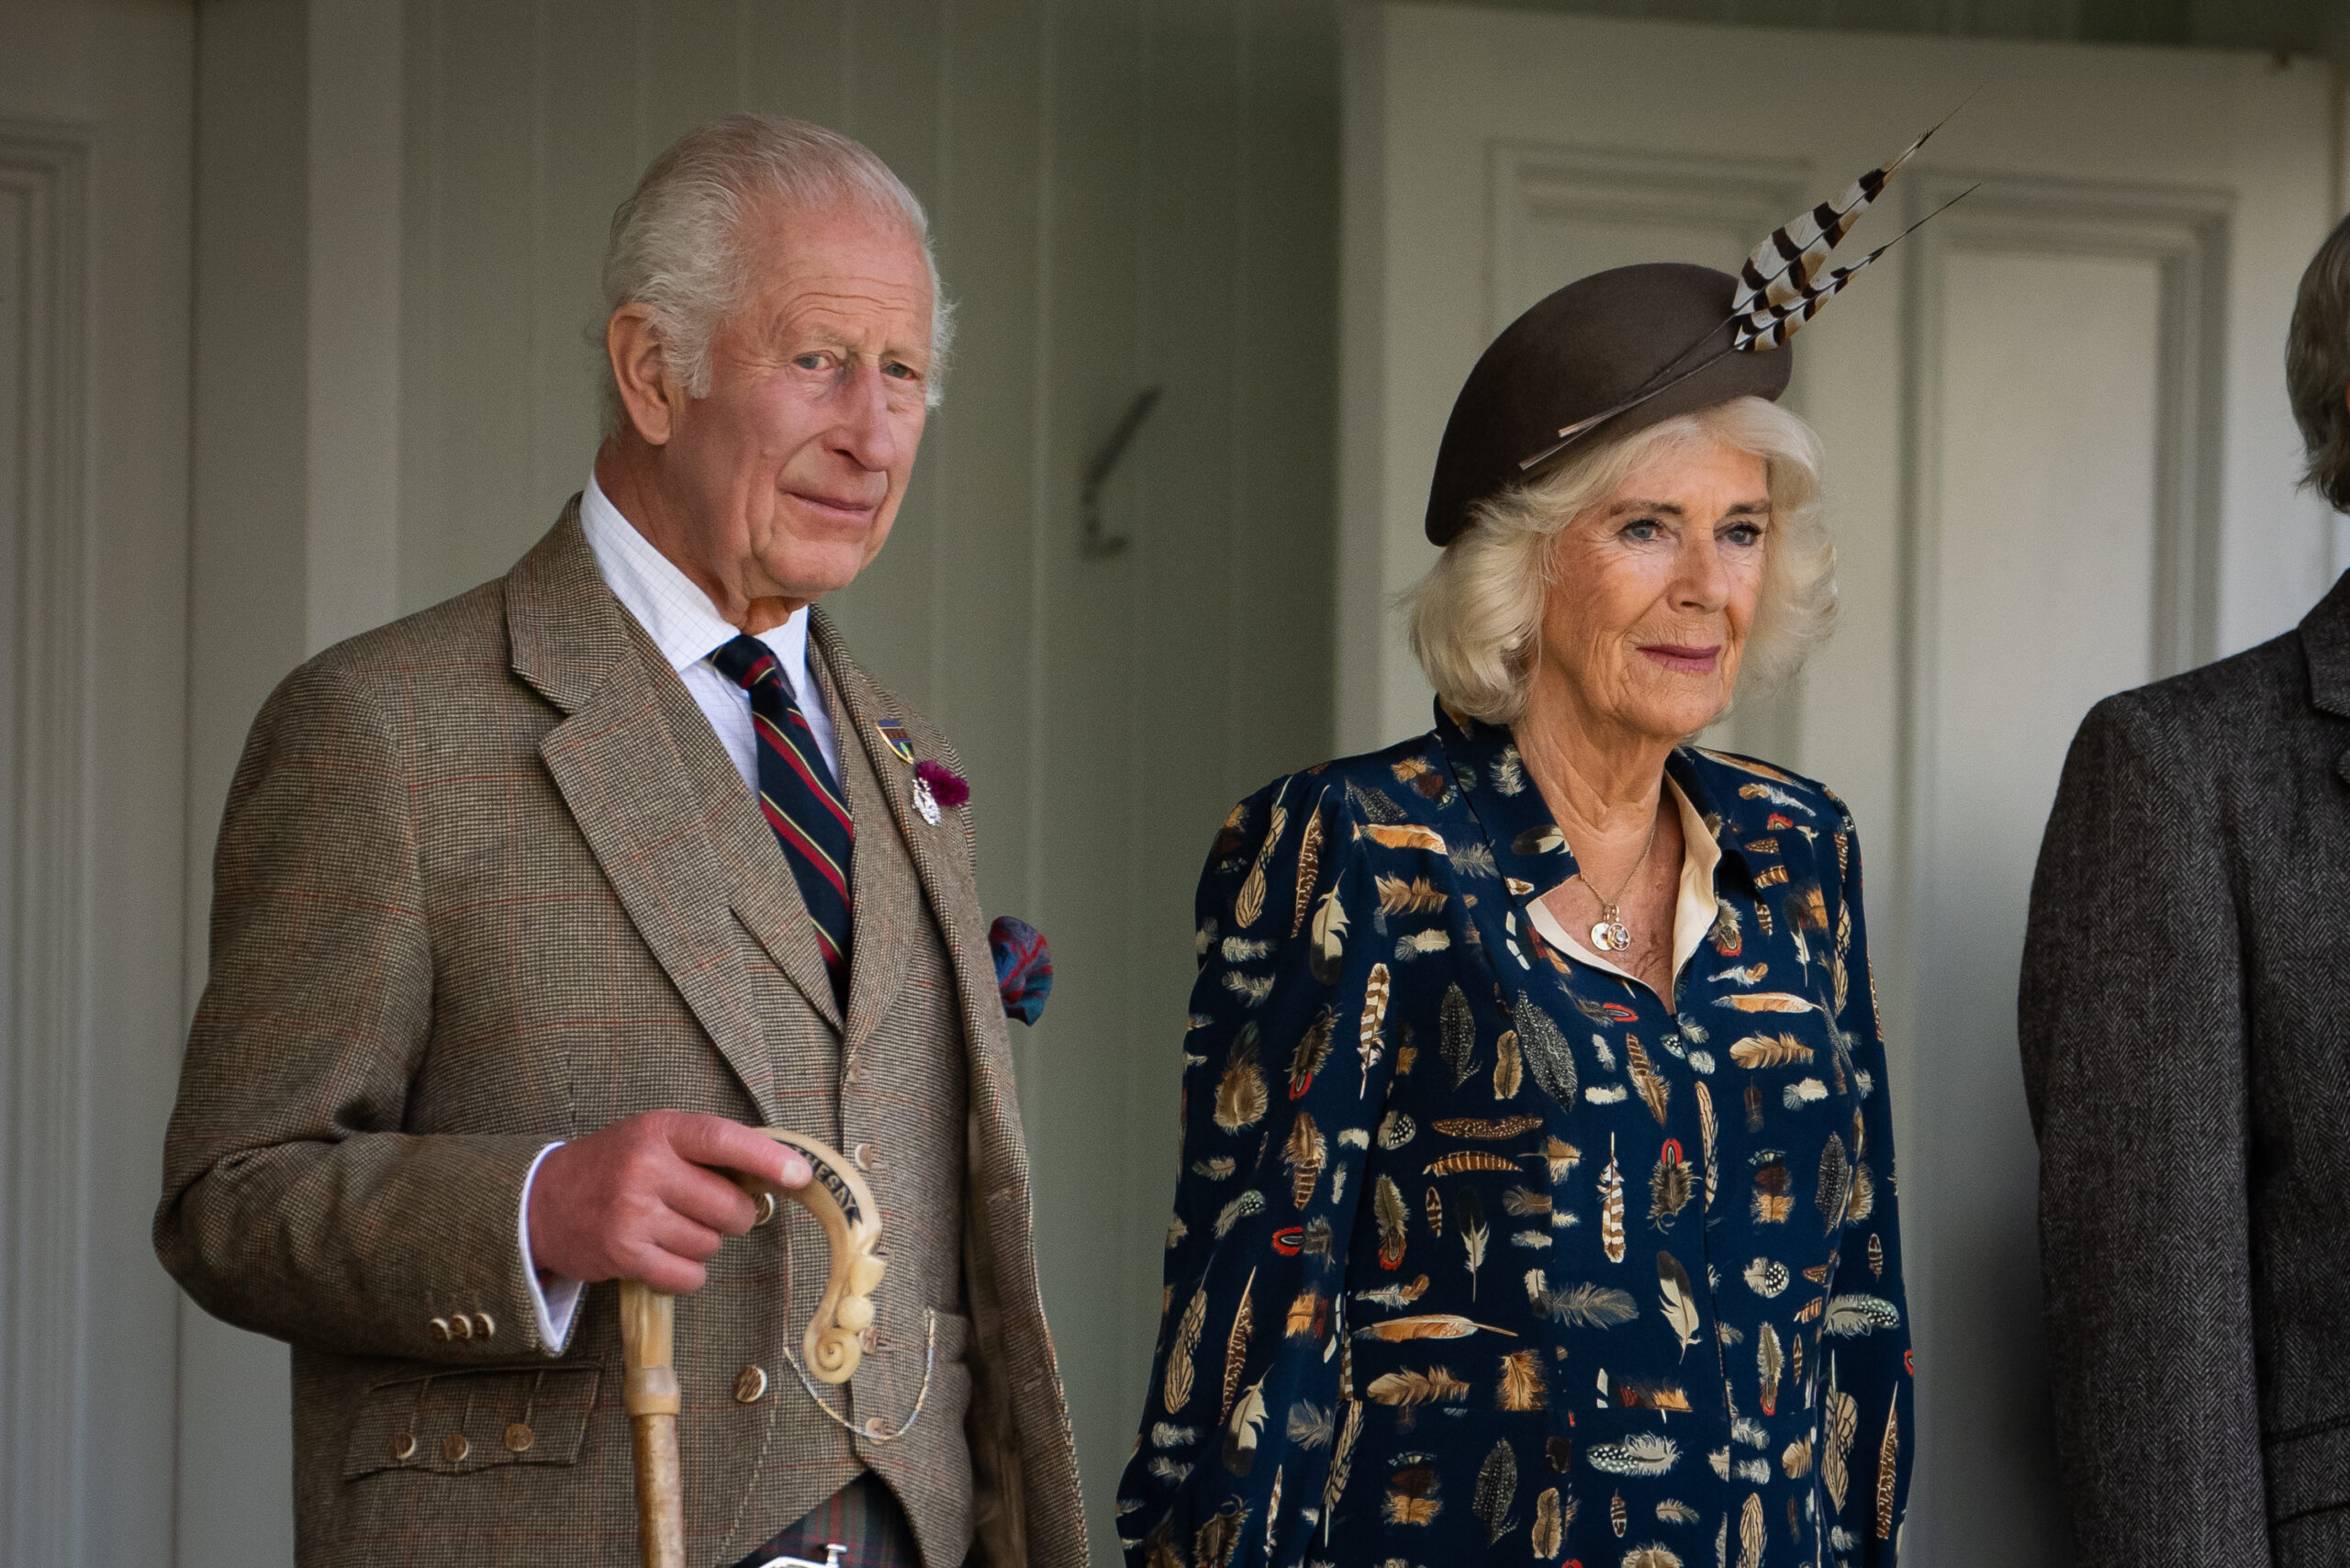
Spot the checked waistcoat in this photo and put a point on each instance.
(895, 1099)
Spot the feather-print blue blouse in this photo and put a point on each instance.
(1481, 1253)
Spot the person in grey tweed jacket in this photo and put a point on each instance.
(2184, 1018)
(529, 907)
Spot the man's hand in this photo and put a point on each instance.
(643, 1198)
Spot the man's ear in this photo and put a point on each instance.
(641, 370)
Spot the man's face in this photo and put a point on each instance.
(789, 474)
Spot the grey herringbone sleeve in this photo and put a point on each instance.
(2131, 1022)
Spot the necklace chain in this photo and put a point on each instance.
(1610, 932)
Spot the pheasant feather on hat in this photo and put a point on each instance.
(1783, 285)
(1633, 346)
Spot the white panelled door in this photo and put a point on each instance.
(96, 228)
(2060, 463)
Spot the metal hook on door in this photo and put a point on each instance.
(1097, 542)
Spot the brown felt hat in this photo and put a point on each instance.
(1595, 344)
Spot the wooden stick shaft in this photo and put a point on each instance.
(660, 1499)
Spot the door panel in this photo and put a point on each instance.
(2041, 600)
(95, 225)
(2059, 464)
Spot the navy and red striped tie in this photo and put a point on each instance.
(802, 800)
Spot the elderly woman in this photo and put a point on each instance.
(1536, 1201)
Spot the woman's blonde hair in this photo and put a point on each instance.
(1476, 618)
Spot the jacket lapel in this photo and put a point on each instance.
(616, 762)
(944, 872)
(2326, 642)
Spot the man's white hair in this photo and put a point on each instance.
(676, 249)
(1477, 616)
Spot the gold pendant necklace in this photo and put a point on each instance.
(1609, 934)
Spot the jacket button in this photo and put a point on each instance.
(766, 1208)
(441, 1329)
(484, 1325)
(873, 1425)
(453, 1447)
(462, 1327)
(867, 1157)
(403, 1445)
(518, 1438)
(750, 1385)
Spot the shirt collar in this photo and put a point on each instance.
(1698, 906)
(679, 617)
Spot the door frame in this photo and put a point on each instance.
(49, 1073)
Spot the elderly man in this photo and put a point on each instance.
(2184, 992)
(529, 906)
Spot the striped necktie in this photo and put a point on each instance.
(802, 802)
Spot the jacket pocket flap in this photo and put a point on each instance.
(2309, 1471)
(451, 1423)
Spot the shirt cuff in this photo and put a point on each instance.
(555, 1301)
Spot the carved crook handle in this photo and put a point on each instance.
(843, 1205)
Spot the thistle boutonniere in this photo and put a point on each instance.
(936, 785)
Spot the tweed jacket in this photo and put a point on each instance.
(2185, 1017)
(487, 879)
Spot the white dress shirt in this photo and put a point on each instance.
(688, 629)
(686, 626)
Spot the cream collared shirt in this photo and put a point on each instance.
(1694, 911)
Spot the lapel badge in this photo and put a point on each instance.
(893, 735)
(935, 784)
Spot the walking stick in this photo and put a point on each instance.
(843, 1205)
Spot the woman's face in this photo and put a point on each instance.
(1652, 592)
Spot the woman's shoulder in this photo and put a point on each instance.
(1400, 794)
(1311, 830)
(1408, 781)
(1752, 795)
